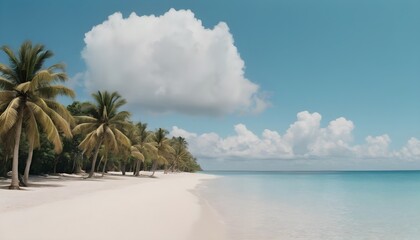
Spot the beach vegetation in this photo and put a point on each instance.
(164, 149)
(103, 126)
(27, 101)
(39, 135)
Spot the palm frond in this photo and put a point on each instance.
(7, 96)
(85, 119)
(162, 160)
(32, 131)
(121, 138)
(12, 57)
(135, 153)
(111, 141)
(10, 116)
(59, 122)
(120, 116)
(41, 78)
(23, 87)
(59, 76)
(48, 125)
(60, 109)
(89, 143)
(100, 130)
(6, 84)
(57, 66)
(84, 128)
(150, 147)
(55, 90)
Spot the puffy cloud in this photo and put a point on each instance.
(304, 139)
(334, 140)
(170, 63)
(377, 146)
(411, 150)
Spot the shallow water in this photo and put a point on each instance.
(317, 205)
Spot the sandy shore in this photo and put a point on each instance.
(109, 208)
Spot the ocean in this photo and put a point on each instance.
(383, 205)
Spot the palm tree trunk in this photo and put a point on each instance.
(95, 156)
(73, 169)
(123, 165)
(138, 168)
(28, 164)
(105, 162)
(55, 163)
(104, 168)
(78, 162)
(15, 165)
(154, 166)
(99, 164)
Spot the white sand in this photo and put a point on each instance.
(113, 207)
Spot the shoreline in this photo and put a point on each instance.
(210, 221)
(111, 207)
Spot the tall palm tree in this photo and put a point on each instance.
(27, 96)
(105, 125)
(163, 146)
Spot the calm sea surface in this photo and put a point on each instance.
(317, 205)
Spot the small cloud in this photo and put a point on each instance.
(77, 80)
(178, 132)
(411, 150)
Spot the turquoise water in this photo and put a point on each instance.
(317, 205)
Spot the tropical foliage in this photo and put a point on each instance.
(103, 127)
(38, 135)
(27, 101)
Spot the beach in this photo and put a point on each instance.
(111, 207)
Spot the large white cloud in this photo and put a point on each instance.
(170, 63)
(304, 139)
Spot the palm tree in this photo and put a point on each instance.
(163, 146)
(104, 126)
(142, 143)
(28, 96)
(125, 154)
(180, 153)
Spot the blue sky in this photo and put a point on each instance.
(359, 60)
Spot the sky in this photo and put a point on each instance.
(261, 85)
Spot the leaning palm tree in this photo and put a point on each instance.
(27, 96)
(163, 146)
(104, 126)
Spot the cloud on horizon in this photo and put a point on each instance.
(170, 63)
(304, 139)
